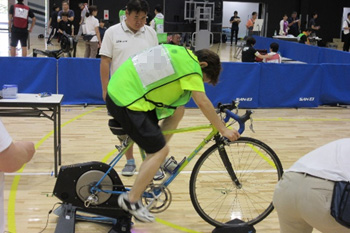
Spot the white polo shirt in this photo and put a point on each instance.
(5, 142)
(331, 161)
(91, 23)
(346, 25)
(119, 43)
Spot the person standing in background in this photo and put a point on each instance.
(294, 24)
(122, 16)
(250, 23)
(13, 155)
(284, 26)
(235, 20)
(119, 43)
(84, 9)
(346, 33)
(92, 24)
(102, 28)
(53, 24)
(313, 25)
(65, 8)
(18, 26)
(158, 25)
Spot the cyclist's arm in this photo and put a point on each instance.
(208, 110)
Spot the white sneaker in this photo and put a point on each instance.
(140, 212)
(129, 170)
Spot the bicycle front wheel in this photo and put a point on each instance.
(218, 200)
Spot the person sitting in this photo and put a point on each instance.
(303, 37)
(250, 54)
(65, 26)
(304, 194)
(272, 56)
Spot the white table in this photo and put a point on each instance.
(32, 105)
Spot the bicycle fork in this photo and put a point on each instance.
(226, 161)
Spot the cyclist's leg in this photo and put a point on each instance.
(173, 121)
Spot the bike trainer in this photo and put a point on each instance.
(238, 226)
(73, 188)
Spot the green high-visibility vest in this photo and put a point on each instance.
(159, 26)
(151, 69)
(122, 15)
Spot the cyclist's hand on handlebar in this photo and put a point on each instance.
(231, 135)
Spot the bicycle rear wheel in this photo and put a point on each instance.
(215, 196)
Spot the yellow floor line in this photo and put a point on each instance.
(11, 218)
(172, 225)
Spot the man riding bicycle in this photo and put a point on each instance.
(150, 86)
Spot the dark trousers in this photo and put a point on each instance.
(346, 42)
(53, 33)
(234, 30)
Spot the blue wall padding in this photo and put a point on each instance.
(286, 85)
(79, 81)
(335, 86)
(30, 74)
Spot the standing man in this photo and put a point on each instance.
(18, 26)
(122, 16)
(13, 155)
(304, 194)
(235, 20)
(346, 33)
(158, 25)
(65, 8)
(119, 43)
(53, 24)
(250, 23)
(313, 25)
(84, 9)
(294, 24)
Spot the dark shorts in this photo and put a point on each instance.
(19, 36)
(142, 127)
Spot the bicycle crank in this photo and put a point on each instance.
(157, 198)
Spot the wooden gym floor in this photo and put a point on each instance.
(86, 137)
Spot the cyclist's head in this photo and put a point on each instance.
(251, 41)
(212, 67)
(274, 47)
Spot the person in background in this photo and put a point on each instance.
(18, 26)
(303, 196)
(284, 25)
(272, 56)
(65, 26)
(175, 39)
(294, 24)
(235, 21)
(102, 28)
(13, 155)
(249, 53)
(53, 24)
(250, 23)
(313, 24)
(304, 36)
(158, 24)
(65, 8)
(92, 25)
(84, 9)
(346, 33)
(119, 43)
(122, 16)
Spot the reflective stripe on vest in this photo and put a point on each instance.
(20, 16)
(150, 70)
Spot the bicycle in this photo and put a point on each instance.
(225, 184)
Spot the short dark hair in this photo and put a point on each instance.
(92, 8)
(19, 1)
(250, 41)
(236, 12)
(313, 14)
(64, 14)
(254, 13)
(348, 14)
(65, 1)
(308, 30)
(213, 69)
(137, 5)
(274, 47)
(158, 8)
